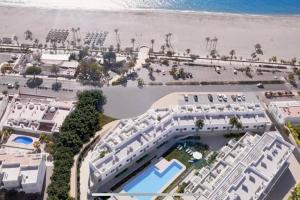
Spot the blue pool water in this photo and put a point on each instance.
(232, 6)
(152, 181)
(23, 140)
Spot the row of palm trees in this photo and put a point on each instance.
(211, 43)
(233, 121)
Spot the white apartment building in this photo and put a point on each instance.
(133, 138)
(22, 172)
(245, 170)
(285, 111)
(37, 116)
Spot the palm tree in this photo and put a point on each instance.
(79, 38)
(188, 51)
(239, 125)
(15, 38)
(215, 42)
(199, 123)
(163, 48)
(233, 121)
(132, 41)
(5, 134)
(43, 138)
(207, 41)
(232, 53)
(36, 41)
(152, 44)
(55, 70)
(28, 35)
(37, 146)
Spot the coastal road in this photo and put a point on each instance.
(130, 101)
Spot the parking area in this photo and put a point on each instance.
(161, 73)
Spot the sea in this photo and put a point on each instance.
(260, 7)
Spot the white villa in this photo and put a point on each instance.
(132, 139)
(285, 111)
(22, 172)
(245, 170)
(36, 116)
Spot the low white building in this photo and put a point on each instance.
(37, 116)
(22, 172)
(245, 169)
(285, 111)
(134, 138)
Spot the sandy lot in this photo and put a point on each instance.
(278, 35)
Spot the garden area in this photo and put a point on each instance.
(184, 150)
(295, 131)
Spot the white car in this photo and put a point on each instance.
(224, 97)
(243, 97)
(220, 97)
(238, 98)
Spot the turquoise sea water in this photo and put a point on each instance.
(152, 181)
(273, 7)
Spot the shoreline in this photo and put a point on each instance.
(278, 35)
(157, 10)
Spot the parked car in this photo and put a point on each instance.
(186, 98)
(224, 97)
(233, 97)
(195, 98)
(260, 85)
(210, 98)
(239, 97)
(243, 97)
(220, 97)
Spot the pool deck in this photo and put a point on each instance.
(160, 166)
(10, 142)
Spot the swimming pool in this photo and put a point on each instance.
(152, 180)
(23, 140)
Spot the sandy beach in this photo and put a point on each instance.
(278, 35)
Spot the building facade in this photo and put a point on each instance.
(244, 169)
(134, 138)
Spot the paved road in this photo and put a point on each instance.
(130, 101)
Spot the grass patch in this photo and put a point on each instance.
(183, 157)
(295, 131)
(104, 119)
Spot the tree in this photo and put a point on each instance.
(233, 121)
(188, 51)
(33, 70)
(37, 146)
(258, 49)
(239, 125)
(43, 138)
(132, 41)
(199, 123)
(90, 71)
(5, 134)
(152, 44)
(207, 41)
(54, 70)
(83, 53)
(231, 53)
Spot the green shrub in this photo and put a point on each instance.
(77, 129)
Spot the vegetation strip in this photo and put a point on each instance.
(77, 129)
